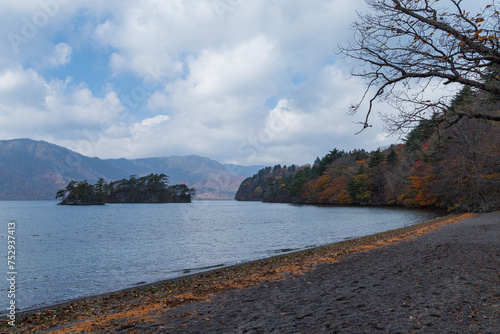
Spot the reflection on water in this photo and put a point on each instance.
(64, 252)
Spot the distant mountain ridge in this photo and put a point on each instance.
(33, 170)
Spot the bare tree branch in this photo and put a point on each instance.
(408, 42)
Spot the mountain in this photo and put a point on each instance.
(37, 170)
(245, 171)
(210, 178)
(31, 170)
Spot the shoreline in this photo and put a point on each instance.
(171, 274)
(125, 305)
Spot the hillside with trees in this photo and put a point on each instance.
(152, 188)
(446, 162)
(451, 155)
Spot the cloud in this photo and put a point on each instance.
(147, 125)
(253, 82)
(61, 55)
(226, 84)
(240, 70)
(157, 101)
(32, 107)
(9, 80)
(166, 34)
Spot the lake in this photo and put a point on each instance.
(67, 252)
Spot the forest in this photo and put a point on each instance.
(152, 188)
(445, 162)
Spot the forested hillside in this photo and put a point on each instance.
(447, 161)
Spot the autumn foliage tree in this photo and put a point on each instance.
(454, 168)
(461, 167)
(447, 162)
(420, 43)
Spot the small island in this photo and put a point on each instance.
(152, 188)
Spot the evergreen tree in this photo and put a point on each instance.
(376, 158)
(391, 158)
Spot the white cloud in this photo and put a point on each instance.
(227, 84)
(147, 125)
(61, 55)
(40, 109)
(242, 69)
(157, 101)
(210, 68)
(9, 80)
(164, 33)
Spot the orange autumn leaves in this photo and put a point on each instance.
(456, 168)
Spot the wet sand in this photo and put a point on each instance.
(442, 276)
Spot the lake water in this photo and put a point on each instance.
(66, 252)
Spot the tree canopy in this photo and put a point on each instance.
(151, 188)
(409, 45)
(439, 166)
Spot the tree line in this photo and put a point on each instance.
(153, 188)
(445, 162)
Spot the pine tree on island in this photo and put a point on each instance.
(152, 188)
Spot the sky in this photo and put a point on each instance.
(248, 82)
